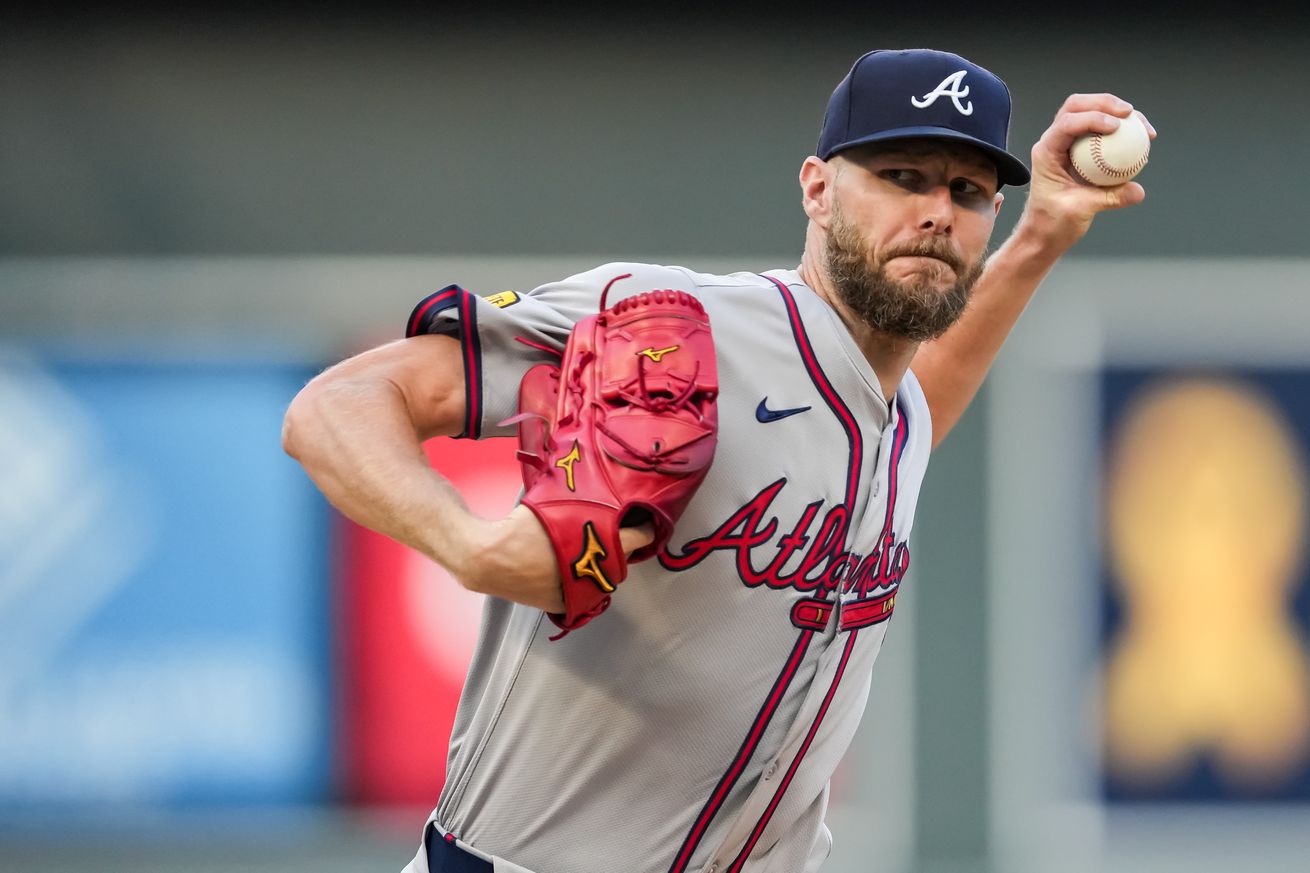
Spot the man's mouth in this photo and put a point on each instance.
(926, 257)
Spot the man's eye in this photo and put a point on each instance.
(972, 194)
(900, 176)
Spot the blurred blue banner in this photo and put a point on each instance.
(163, 596)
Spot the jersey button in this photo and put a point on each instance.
(773, 768)
(713, 868)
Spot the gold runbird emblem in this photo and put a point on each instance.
(566, 464)
(588, 563)
(655, 354)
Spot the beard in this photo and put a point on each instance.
(915, 309)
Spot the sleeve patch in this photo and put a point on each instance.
(503, 299)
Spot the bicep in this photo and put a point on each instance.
(426, 372)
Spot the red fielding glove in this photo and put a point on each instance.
(620, 434)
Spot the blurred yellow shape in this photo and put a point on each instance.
(1206, 508)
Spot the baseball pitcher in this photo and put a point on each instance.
(721, 474)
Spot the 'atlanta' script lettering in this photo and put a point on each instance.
(823, 566)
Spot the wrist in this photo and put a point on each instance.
(511, 558)
(1034, 246)
(1052, 222)
(459, 544)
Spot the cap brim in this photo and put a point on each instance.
(1009, 169)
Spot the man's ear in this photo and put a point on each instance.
(1000, 198)
(816, 190)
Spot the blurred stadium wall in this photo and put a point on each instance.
(198, 213)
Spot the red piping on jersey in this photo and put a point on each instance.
(829, 394)
(780, 685)
(446, 297)
(744, 754)
(796, 762)
(898, 447)
(899, 438)
(470, 344)
(468, 320)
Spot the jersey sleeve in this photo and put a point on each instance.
(503, 335)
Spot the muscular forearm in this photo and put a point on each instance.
(1059, 211)
(952, 368)
(358, 436)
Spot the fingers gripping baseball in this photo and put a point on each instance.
(1062, 201)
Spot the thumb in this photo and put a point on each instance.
(1119, 196)
(634, 538)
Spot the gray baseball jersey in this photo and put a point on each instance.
(693, 726)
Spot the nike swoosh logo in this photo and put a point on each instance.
(764, 414)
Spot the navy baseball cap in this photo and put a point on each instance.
(921, 93)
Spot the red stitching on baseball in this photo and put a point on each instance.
(1109, 170)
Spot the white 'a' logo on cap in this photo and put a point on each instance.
(956, 90)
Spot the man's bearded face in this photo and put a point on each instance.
(917, 308)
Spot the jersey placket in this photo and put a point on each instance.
(778, 772)
(837, 657)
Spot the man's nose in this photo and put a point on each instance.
(937, 213)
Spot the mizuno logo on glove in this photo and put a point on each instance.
(566, 464)
(655, 354)
(588, 563)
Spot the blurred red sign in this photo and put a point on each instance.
(408, 631)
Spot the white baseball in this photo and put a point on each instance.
(1112, 158)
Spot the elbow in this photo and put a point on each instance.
(289, 433)
(297, 420)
